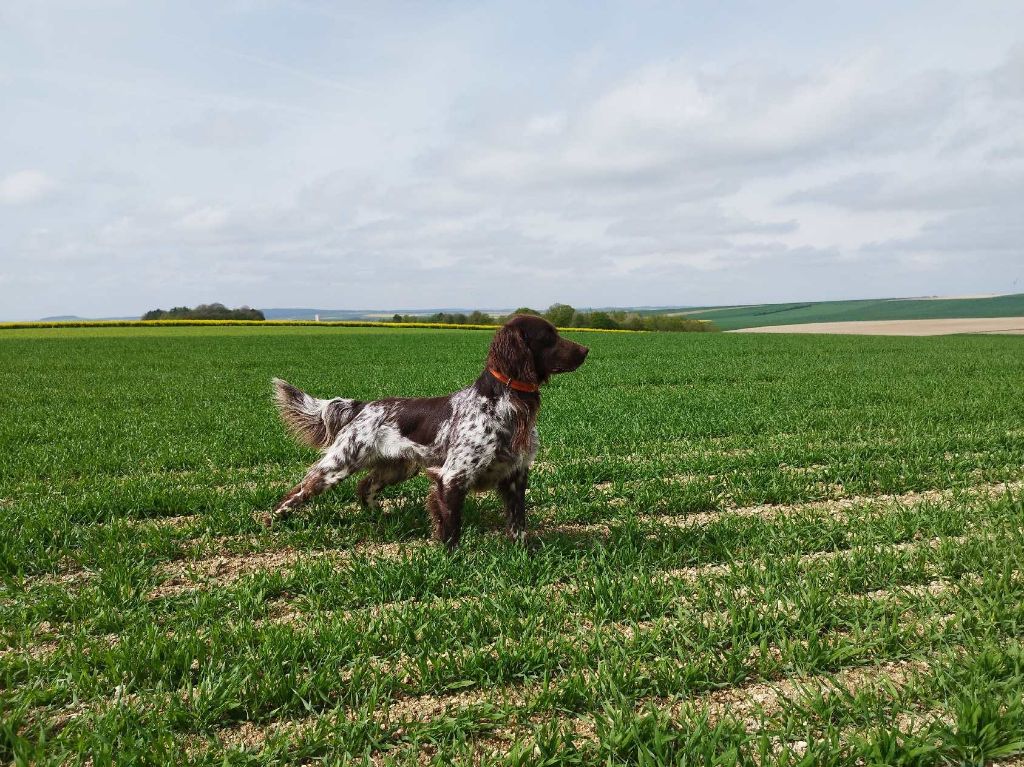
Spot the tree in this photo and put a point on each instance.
(560, 315)
(602, 321)
(205, 312)
(527, 310)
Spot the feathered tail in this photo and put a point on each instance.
(313, 421)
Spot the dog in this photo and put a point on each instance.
(482, 437)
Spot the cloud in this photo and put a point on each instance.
(674, 124)
(464, 168)
(26, 186)
(996, 230)
(227, 129)
(939, 190)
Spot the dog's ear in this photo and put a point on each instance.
(511, 356)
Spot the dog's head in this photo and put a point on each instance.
(529, 349)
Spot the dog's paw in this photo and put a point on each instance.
(516, 535)
(266, 518)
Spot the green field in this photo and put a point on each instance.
(735, 317)
(744, 550)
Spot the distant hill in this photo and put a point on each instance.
(759, 315)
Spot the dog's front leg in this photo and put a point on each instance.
(445, 503)
(513, 494)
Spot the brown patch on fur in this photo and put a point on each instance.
(419, 419)
(526, 416)
(510, 355)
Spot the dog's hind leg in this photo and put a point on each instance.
(341, 461)
(381, 476)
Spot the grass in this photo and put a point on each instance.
(744, 550)
(735, 317)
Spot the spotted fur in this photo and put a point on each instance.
(482, 437)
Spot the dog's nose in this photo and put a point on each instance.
(585, 350)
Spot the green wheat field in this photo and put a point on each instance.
(744, 550)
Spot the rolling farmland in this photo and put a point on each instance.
(735, 317)
(744, 550)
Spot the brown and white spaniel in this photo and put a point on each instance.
(482, 437)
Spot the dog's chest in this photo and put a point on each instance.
(494, 438)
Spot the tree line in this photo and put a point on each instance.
(205, 312)
(565, 316)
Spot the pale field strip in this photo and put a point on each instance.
(183, 576)
(420, 706)
(223, 566)
(281, 612)
(227, 568)
(933, 327)
(751, 704)
(743, 702)
(425, 707)
(836, 508)
(222, 569)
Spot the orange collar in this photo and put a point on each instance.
(512, 383)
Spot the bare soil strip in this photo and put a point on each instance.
(749, 703)
(833, 507)
(423, 708)
(179, 522)
(223, 569)
(745, 703)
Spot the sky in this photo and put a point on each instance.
(491, 154)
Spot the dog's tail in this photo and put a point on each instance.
(316, 422)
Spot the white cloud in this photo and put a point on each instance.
(227, 129)
(205, 219)
(26, 186)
